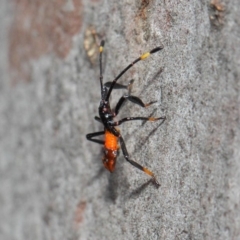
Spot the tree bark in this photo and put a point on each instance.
(53, 183)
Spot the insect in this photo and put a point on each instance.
(107, 115)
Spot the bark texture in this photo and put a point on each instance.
(53, 185)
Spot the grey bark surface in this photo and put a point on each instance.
(52, 182)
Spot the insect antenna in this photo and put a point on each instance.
(100, 63)
(142, 57)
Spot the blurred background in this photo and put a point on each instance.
(52, 181)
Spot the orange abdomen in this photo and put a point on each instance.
(111, 141)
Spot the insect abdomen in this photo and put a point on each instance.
(111, 141)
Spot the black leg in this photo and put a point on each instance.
(151, 119)
(135, 164)
(119, 86)
(133, 99)
(97, 119)
(142, 57)
(95, 134)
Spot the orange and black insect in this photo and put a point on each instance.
(106, 117)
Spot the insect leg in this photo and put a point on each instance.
(135, 164)
(97, 119)
(90, 137)
(151, 119)
(133, 99)
(119, 86)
